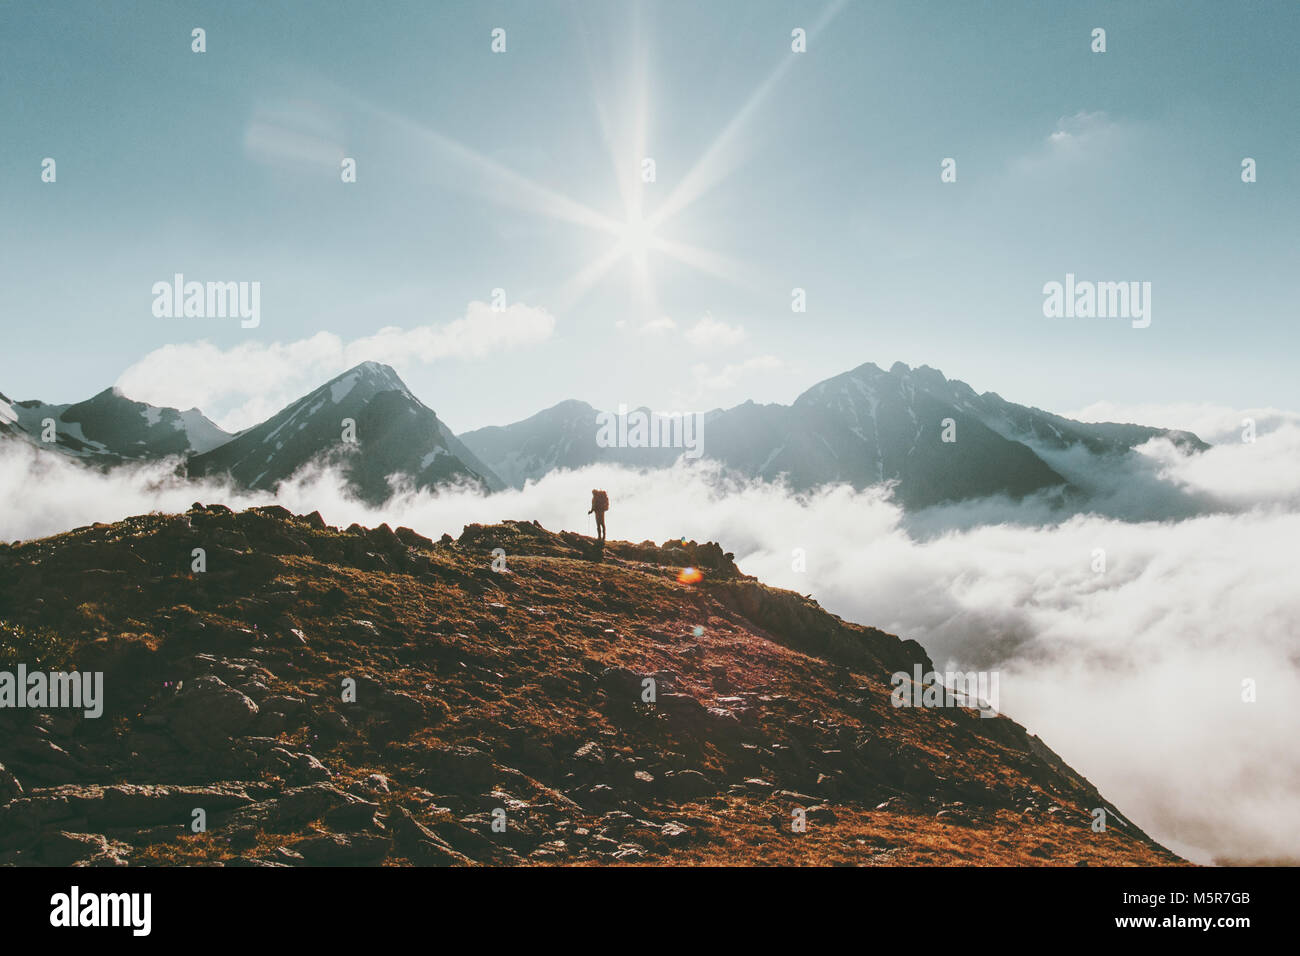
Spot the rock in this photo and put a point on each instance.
(551, 850)
(794, 798)
(353, 815)
(413, 539)
(208, 711)
(301, 768)
(63, 848)
(589, 756)
(332, 723)
(9, 786)
(401, 707)
(674, 832)
(343, 849)
(621, 685)
(420, 844)
(284, 813)
(384, 540)
(459, 769)
(820, 814)
(116, 805)
(684, 712)
(273, 511)
(687, 785)
(362, 630)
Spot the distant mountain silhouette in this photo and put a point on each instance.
(863, 427)
(396, 434)
(110, 429)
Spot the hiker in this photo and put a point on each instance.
(599, 505)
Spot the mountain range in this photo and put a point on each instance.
(932, 438)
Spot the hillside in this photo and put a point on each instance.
(483, 692)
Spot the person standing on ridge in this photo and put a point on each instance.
(599, 505)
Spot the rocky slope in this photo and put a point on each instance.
(511, 696)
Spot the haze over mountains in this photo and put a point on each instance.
(935, 439)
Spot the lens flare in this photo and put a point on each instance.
(689, 576)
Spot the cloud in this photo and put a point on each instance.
(291, 135)
(242, 385)
(1084, 127)
(708, 332)
(1214, 423)
(706, 380)
(1080, 138)
(1160, 640)
(658, 326)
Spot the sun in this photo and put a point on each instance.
(635, 235)
(637, 238)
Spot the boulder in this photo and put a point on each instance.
(208, 711)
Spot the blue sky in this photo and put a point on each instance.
(820, 171)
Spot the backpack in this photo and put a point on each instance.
(600, 501)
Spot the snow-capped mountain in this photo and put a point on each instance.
(110, 428)
(394, 432)
(862, 427)
(8, 417)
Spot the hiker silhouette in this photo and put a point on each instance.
(599, 505)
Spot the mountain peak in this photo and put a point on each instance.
(371, 377)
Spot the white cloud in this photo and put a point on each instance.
(292, 135)
(1080, 139)
(1082, 128)
(658, 326)
(1132, 675)
(242, 385)
(708, 332)
(1213, 423)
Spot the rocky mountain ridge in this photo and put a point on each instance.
(361, 696)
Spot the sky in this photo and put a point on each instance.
(523, 171)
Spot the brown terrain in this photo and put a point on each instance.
(483, 696)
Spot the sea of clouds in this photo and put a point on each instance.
(1132, 674)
